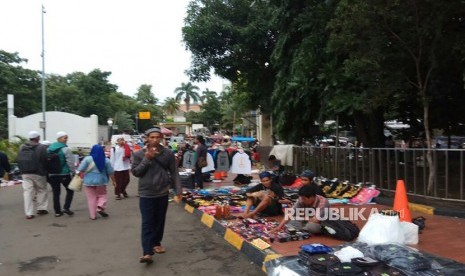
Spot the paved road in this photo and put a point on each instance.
(78, 246)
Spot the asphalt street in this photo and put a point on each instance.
(76, 245)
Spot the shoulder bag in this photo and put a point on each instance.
(76, 182)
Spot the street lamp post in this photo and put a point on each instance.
(43, 123)
(110, 128)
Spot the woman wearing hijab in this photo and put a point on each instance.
(97, 170)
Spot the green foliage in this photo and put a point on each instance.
(171, 106)
(11, 148)
(187, 92)
(235, 39)
(144, 95)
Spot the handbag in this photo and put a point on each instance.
(202, 162)
(76, 182)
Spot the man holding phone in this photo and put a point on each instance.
(155, 166)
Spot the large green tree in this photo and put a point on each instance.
(393, 48)
(23, 83)
(235, 39)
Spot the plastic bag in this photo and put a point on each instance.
(410, 231)
(381, 229)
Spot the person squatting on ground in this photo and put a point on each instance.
(201, 151)
(266, 198)
(31, 162)
(155, 167)
(64, 177)
(98, 172)
(120, 157)
(308, 199)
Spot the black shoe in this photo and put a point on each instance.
(58, 214)
(125, 195)
(42, 212)
(103, 213)
(68, 212)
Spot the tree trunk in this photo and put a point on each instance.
(429, 152)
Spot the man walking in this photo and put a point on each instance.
(120, 158)
(155, 166)
(31, 162)
(63, 175)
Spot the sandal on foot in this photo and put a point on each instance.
(147, 259)
(159, 249)
(103, 213)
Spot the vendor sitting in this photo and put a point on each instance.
(309, 203)
(306, 178)
(266, 197)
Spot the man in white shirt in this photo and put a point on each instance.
(120, 158)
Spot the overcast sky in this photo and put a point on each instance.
(138, 41)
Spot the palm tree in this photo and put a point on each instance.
(206, 94)
(170, 106)
(188, 92)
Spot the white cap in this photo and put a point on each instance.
(33, 134)
(45, 142)
(61, 134)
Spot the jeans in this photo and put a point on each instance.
(198, 177)
(153, 212)
(56, 181)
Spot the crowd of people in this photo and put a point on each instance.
(156, 168)
(42, 163)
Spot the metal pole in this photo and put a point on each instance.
(137, 123)
(44, 122)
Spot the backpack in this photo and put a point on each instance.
(53, 163)
(340, 229)
(28, 161)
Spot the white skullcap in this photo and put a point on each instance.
(61, 134)
(33, 134)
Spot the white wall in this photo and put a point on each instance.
(82, 131)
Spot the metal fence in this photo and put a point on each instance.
(384, 166)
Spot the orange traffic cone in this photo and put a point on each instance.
(401, 202)
(217, 175)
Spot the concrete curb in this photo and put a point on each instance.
(425, 209)
(256, 255)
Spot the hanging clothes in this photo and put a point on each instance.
(222, 161)
(188, 159)
(241, 163)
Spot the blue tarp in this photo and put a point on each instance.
(242, 139)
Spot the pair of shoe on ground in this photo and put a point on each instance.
(118, 197)
(148, 259)
(39, 212)
(65, 211)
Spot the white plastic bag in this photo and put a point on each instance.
(346, 254)
(381, 229)
(410, 231)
